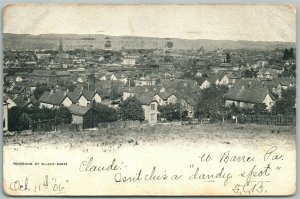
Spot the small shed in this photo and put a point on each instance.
(87, 116)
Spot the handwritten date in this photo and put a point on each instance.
(47, 184)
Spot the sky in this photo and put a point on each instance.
(218, 22)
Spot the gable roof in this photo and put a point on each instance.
(164, 95)
(271, 71)
(55, 98)
(88, 94)
(78, 110)
(74, 96)
(62, 73)
(145, 98)
(42, 73)
(247, 95)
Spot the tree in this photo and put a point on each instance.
(71, 86)
(63, 116)
(288, 54)
(249, 73)
(285, 54)
(291, 53)
(131, 109)
(211, 103)
(259, 109)
(105, 113)
(14, 121)
(40, 89)
(173, 112)
(25, 121)
(286, 104)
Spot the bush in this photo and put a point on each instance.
(131, 109)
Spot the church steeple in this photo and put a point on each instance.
(60, 48)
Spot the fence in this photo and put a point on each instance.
(48, 125)
(43, 125)
(69, 127)
(268, 119)
(119, 124)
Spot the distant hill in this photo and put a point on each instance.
(97, 41)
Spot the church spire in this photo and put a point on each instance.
(60, 48)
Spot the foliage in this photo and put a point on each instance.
(289, 72)
(131, 109)
(25, 121)
(249, 73)
(288, 54)
(173, 112)
(286, 104)
(71, 86)
(259, 109)
(105, 113)
(211, 103)
(14, 118)
(63, 116)
(40, 89)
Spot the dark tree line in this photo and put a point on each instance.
(288, 54)
(20, 119)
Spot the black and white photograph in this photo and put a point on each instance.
(149, 100)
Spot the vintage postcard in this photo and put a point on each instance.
(149, 100)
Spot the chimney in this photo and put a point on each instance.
(51, 92)
(249, 84)
(263, 84)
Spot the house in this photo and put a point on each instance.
(19, 90)
(247, 98)
(178, 83)
(223, 67)
(5, 117)
(203, 73)
(19, 77)
(130, 91)
(77, 98)
(128, 62)
(54, 99)
(206, 82)
(165, 98)
(42, 76)
(149, 106)
(9, 101)
(268, 73)
(84, 97)
(87, 116)
(149, 80)
(62, 76)
(91, 95)
(121, 77)
(8, 86)
(50, 76)
(23, 102)
(189, 101)
(108, 76)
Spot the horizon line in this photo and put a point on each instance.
(146, 37)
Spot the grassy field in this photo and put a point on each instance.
(171, 149)
(249, 135)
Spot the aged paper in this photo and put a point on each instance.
(163, 100)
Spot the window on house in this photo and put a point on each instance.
(152, 106)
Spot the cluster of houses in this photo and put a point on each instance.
(151, 90)
(159, 84)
